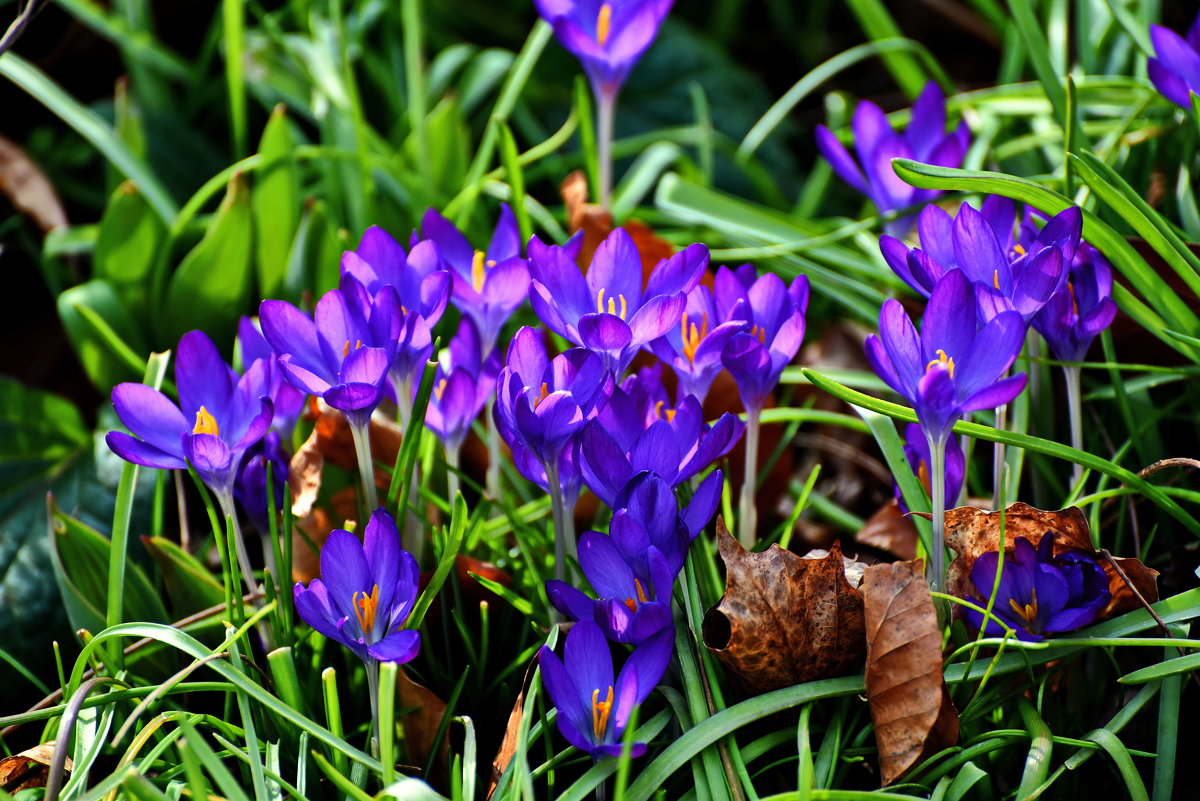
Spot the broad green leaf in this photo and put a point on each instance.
(447, 146)
(127, 244)
(103, 333)
(276, 202)
(189, 584)
(80, 558)
(212, 285)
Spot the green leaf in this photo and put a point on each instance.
(103, 333)
(275, 199)
(80, 558)
(127, 244)
(212, 285)
(189, 584)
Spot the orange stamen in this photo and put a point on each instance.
(600, 712)
(205, 423)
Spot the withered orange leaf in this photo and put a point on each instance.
(596, 222)
(910, 704)
(422, 715)
(512, 731)
(971, 532)
(784, 620)
(890, 530)
(30, 768)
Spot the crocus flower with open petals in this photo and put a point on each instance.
(419, 277)
(218, 418)
(366, 591)
(1176, 70)
(775, 316)
(877, 144)
(593, 709)
(693, 349)
(462, 386)
(916, 449)
(1080, 310)
(607, 37)
(675, 447)
(609, 312)
(487, 285)
(949, 369)
(333, 355)
(1040, 593)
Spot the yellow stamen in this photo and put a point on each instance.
(1074, 302)
(205, 423)
(1020, 251)
(1029, 611)
(600, 712)
(603, 23)
(996, 278)
(759, 333)
(365, 608)
(941, 359)
(440, 389)
(541, 395)
(357, 345)
(692, 336)
(612, 305)
(641, 596)
(660, 412)
(477, 270)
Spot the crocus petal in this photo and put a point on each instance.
(606, 333)
(453, 245)
(606, 570)
(647, 663)
(1176, 55)
(150, 415)
(589, 659)
(680, 273)
(345, 571)
(201, 376)
(573, 720)
(143, 453)
(1169, 85)
(928, 124)
(902, 345)
(313, 606)
(568, 600)
(399, 647)
(995, 395)
(210, 456)
(616, 269)
(703, 506)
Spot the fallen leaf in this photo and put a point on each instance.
(28, 188)
(512, 731)
(783, 619)
(596, 222)
(306, 562)
(971, 532)
(910, 704)
(890, 530)
(420, 721)
(30, 768)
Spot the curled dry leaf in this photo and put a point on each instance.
(910, 704)
(28, 188)
(784, 620)
(890, 530)
(512, 731)
(420, 720)
(30, 768)
(971, 532)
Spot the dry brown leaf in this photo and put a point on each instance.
(910, 704)
(890, 530)
(971, 532)
(28, 188)
(784, 620)
(30, 768)
(421, 721)
(306, 563)
(512, 731)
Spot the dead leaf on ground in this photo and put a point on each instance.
(28, 188)
(971, 532)
(783, 619)
(596, 222)
(512, 731)
(890, 530)
(330, 441)
(421, 721)
(306, 562)
(910, 704)
(30, 768)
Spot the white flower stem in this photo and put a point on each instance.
(493, 443)
(998, 456)
(937, 492)
(564, 524)
(606, 103)
(225, 501)
(1075, 413)
(373, 690)
(452, 481)
(747, 510)
(366, 469)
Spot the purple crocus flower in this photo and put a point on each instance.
(676, 446)
(542, 402)
(916, 448)
(693, 349)
(218, 418)
(633, 568)
(487, 285)
(949, 369)
(1176, 70)
(337, 355)
(250, 486)
(608, 311)
(593, 709)
(462, 386)
(366, 591)
(1040, 593)
(419, 277)
(1082, 309)
(775, 316)
(877, 144)
(287, 400)
(607, 37)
